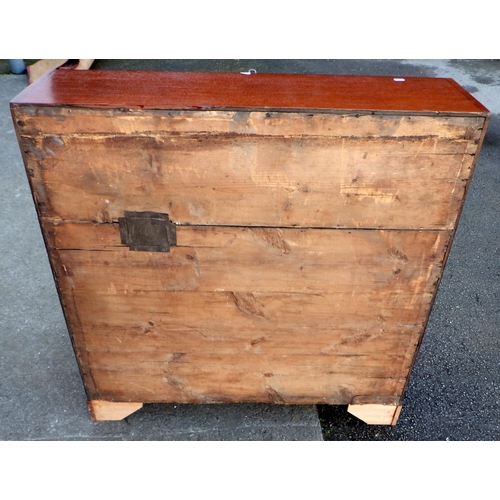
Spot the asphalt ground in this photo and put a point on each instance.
(453, 394)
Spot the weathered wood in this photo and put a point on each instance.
(266, 260)
(61, 121)
(312, 218)
(142, 333)
(254, 181)
(340, 298)
(110, 410)
(253, 323)
(294, 379)
(42, 66)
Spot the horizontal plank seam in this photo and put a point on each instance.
(231, 135)
(60, 222)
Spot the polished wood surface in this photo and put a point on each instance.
(190, 90)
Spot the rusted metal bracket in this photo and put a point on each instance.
(147, 231)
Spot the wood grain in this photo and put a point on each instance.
(110, 410)
(244, 322)
(254, 181)
(285, 379)
(233, 259)
(61, 121)
(191, 90)
(230, 305)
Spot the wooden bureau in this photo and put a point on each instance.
(219, 237)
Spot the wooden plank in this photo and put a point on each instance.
(230, 304)
(146, 346)
(60, 121)
(270, 379)
(190, 90)
(255, 181)
(38, 69)
(234, 259)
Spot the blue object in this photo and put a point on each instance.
(17, 66)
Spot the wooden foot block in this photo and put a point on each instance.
(109, 410)
(376, 414)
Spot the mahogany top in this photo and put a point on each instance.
(189, 90)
